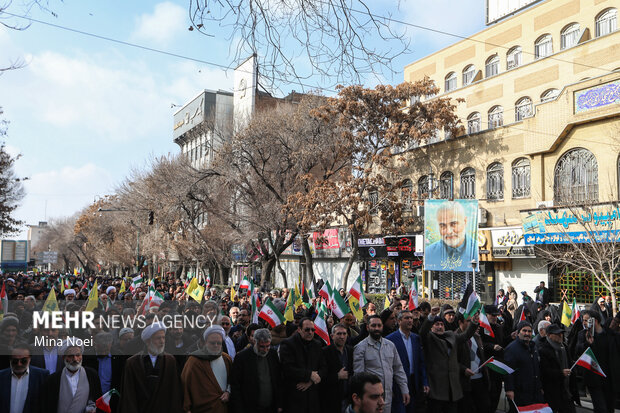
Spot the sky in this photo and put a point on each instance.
(85, 112)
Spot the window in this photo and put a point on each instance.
(468, 183)
(576, 177)
(543, 46)
(450, 81)
(523, 109)
(473, 123)
(492, 66)
(496, 117)
(446, 185)
(468, 74)
(423, 187)
(570, 36)
(521, 178)
(513, 58)
(495, 181)
(549, 94)
(406, 190)
(373, 198)
(606, 22)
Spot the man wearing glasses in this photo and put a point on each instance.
(303, 367)
(20, 384)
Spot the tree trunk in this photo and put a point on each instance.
(281, 271)
(309, 260)
(352, 259)
(267, 268)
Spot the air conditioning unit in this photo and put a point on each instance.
(544, 204)
(419, 210)
(482, 216)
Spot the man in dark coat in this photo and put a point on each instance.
(555, 371)
(413, 364)
(339, 359)
(303, 368)
(523, 386)
(255, 378)
(21, 370)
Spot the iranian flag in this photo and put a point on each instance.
(338, 306)
(208, 281)
(497, 366)
(484, 322)
(135, 283)
(326, 292)
(103, 403)
(357, 291)
(473, 305)
(535, 408)
(588, 361)
(245, 283)
(321, 325)
(311, 293)
(413, 295)
(254, 309)
(3, 300)
(576, 312)
(271, 314)
(155, 297)
(522, 318)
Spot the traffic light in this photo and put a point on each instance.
(151, 216)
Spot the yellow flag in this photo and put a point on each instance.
(93, 298)
(192, 285)
(75, 271)
(566, 314)
(233, 294)
(198, 292)
(386, 304)
(62, 285)
(122, 290)
(51, 304)
(298, 300)
(289, 310)
(355, 308)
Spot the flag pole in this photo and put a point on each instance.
(482, 365)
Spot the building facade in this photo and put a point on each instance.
(541, 113)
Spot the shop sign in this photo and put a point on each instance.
(393, 247)
(510, 243)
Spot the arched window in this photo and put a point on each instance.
(496, 117)
(406, 192)
(495, 181)
(606, 22)
(513, 58)
(473, 123)
(469, 73)
(423, 187)
(549, 94)
(468, 183)
(521, 178)
(450, 81)
(491, 67)
(523, 109)
(576, 177)
(569, 36)
(543, 46)
(446, 185)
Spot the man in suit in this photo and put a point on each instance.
(73, 388)
(109, 367)
(20, 384)
(410, 352)
(255, 379)
(339, 359)
(49, 360)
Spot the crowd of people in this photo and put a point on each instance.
(430, 358)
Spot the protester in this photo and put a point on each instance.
(555, 372)
(339, 359)
(524, 385)
(21, 384)
(366, 394)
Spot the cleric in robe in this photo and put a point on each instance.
(455, 223)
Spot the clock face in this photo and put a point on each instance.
(242, 88)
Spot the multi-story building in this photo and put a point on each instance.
(541, 111)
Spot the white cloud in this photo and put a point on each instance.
(190, 78)
(167, 21)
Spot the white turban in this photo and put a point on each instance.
(152, 329)
(110, 288)
(69, 291)
(10, 279)
(71, 342)
(214, 330)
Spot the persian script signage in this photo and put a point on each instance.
(596, 97)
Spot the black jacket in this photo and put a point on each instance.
(244, 381)
(557, 394)
(333, 390)
(299, 359)
(525, 381)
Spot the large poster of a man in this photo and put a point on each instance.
(450, 235)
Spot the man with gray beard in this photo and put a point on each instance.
(74, 388)
(255, 377)
(150, 383)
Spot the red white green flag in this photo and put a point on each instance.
(271, 314)
(413, 295)
(244, 283)
(321, 325)
(338, 306)
(326, 292)
(497, 366)
(103, 403)
(484, 323)
(357, 291)
(588, 361)
(576, 312)
(535, 408)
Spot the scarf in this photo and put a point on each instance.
(69, 403)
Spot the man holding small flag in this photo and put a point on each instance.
(555, 371)
(523, 386)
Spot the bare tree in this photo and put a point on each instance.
(334, 37)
